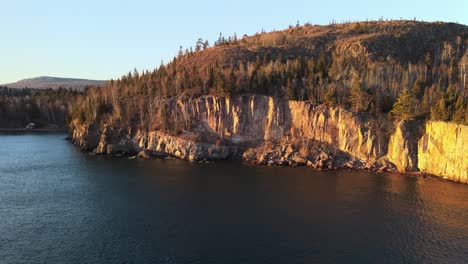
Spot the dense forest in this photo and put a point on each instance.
(46, 108)
(401, 69)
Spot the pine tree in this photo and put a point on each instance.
(418, 87)
(358, 97)
(425, 102)
(450, 98)
(460, 109)
(330, 96)
(404, 106)
(220, 84)
(439, 111)
(199, 44)
(206, 45)
(181, 52)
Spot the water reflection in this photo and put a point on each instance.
(64, 206)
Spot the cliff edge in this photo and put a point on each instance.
(443, 151)
(270, 131)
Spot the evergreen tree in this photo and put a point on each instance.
(199, 44)
(181, 52)
(404, 106)
(425, 102)
(460, 111)
(439, 111)
(358, 97)
(330, 96)
(450, 98)
(206, 45)
(418, 87)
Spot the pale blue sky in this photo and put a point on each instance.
(103, 39)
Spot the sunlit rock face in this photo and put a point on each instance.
(86, 136)
(187, 149)
(403, 145)
(256, 117)
(273, 131)
(443, 151)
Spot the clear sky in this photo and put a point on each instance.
(103, 39)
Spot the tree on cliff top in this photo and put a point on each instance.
(404, 107)
(303, 63)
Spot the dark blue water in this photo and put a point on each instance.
(59, 205)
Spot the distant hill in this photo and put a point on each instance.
(46, 82)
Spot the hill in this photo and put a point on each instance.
(46, 82)
(366, 67)
(376, 41)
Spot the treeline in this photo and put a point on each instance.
(45, 108)
(433, 88)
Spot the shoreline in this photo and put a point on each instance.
(418, 174)
(33, 130)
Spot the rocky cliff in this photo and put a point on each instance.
(443, 151)
(403, 145)
(256, 117)
(272, 131)
(243, 120)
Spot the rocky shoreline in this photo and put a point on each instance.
(267, 131)
(314, 154)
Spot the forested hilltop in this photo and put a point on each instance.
(401, 69)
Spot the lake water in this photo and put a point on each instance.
(59, 205)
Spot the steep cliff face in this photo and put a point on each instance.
(86, 136)
(241, 120)
(403, 145)
(443, 151)
(271, 131)
(255, 117)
